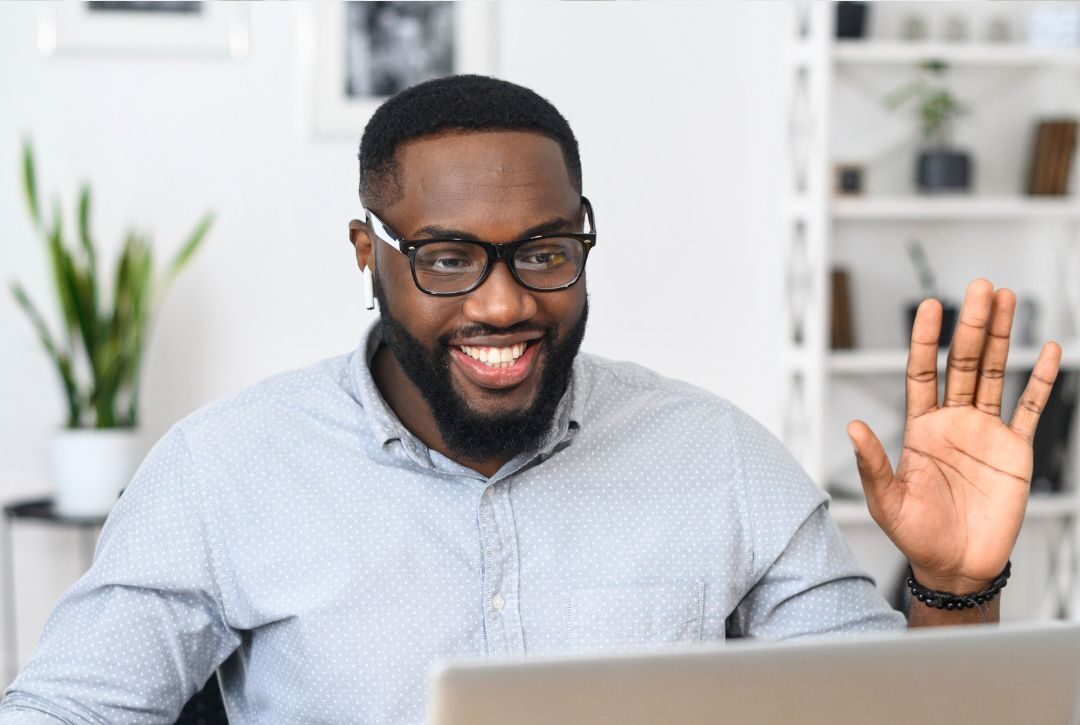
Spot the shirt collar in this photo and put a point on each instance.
(391, 433)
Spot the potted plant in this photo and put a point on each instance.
(950, 312)
(940, 167)
(98, 351)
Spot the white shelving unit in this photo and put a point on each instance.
(820, 381)
(979, 54)
(888, 362)
(994, 208)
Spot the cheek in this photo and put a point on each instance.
(564, 308)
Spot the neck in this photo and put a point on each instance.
(409, 405)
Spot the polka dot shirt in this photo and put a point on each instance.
(299, 541)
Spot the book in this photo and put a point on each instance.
(843, 333)
(1052, 157)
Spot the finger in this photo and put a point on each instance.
(961, 374)
(1033, 400)
(883, 497)
(995, 353)
(922, 359)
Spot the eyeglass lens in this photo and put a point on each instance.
(548, 263)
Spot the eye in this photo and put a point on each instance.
(545, 259)
(449, 259)
(449, 263)
(546, 255)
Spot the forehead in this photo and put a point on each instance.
(491, 182)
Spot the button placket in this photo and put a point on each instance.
(493, 555)
(510, 614)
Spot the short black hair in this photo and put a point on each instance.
(461, 102)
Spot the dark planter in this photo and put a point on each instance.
(851, 19)
(950, 313)
(943, 171)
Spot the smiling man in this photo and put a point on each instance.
(493, 328)
(466, 483)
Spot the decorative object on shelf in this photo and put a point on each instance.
(1052, 157)
(914, 28)
(1053, 25)
(842, 327)
(956, 29)
(1070, 272)
(940, 167)
(848, 179)
(950, 311)
(94, 456)
(1026, 323)
(851, 19)
(998, 31)
(1051, 444)
(363, 52)
(173, 27)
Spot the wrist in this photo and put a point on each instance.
(959, 598)
(959, 585)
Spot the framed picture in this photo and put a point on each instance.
(168, 27)
(364, 52)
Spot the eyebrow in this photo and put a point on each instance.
(433, 231)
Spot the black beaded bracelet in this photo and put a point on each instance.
(945, 600)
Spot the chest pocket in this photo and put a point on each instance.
(635, 615)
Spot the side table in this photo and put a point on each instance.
(41, 510)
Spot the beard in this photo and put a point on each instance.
(467, 433)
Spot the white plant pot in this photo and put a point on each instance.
(90, 467)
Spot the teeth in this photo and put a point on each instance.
(495, 357)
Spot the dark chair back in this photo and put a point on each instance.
(205, 707)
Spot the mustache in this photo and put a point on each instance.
(481, 330)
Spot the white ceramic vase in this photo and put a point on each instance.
(90, 467)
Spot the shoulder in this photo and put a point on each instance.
(320, 390)
(625, 390)
(641, 408)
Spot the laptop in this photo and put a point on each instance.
(1025, 674)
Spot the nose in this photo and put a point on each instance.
(500, 301)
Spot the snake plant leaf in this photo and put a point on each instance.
(29, 177)
(59, 357)
(187, 250)
(113, 337)
(84, 230)
(60, 262)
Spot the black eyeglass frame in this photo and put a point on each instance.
(495, 251)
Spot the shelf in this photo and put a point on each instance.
(1041, 507)
(888, 361)
(958, 208)
(970, 54)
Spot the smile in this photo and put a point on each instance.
(495, 357)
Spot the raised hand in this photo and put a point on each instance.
(955, 503)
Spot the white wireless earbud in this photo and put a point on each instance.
(369, 289)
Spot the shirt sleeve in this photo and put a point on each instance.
(145, 627)
(804, 578)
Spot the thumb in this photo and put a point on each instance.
(883, 497)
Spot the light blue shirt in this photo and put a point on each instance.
(300, 541)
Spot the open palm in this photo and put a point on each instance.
(955, 503)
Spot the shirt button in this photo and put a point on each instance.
(498, 602)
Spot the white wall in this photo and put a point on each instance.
(679, 111)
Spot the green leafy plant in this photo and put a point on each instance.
(938, 108)
(106, 337)
(925, 273)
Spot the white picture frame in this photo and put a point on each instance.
(334, 113)
(73, 27)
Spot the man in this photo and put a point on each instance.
(465, 483)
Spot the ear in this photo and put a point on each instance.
(361, 241)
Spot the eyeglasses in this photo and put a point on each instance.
(447, 267)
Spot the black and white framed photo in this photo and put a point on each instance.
(364, 52)
(167, 27)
